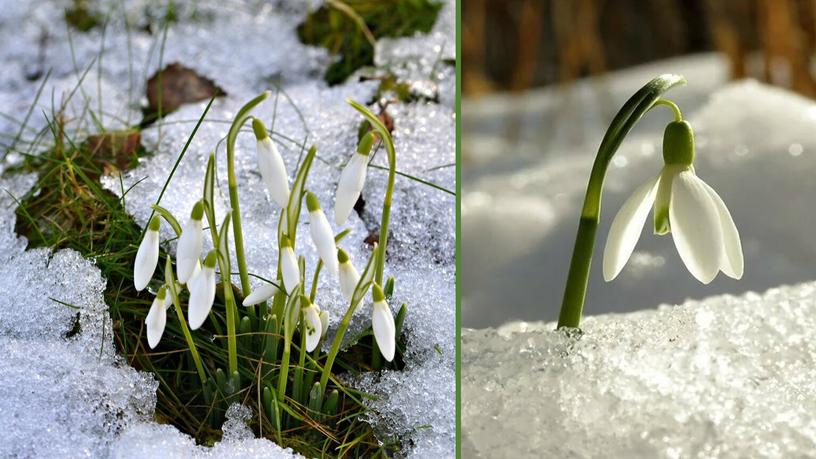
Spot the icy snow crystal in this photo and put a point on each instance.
(722, 377)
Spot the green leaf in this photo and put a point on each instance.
(296, 196)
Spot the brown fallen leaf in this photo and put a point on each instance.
(176, 85)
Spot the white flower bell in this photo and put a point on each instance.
(702, 228)
(202, 293)
(352, 180)
(382, 321)
(157, 318)
(260, 294)
(147, 257)
(190, 243)
(289, 265)
(314, 326)
(349, 277)
(270, 163)
(322, 234)
(324, 323)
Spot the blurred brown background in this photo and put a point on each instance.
(517, 44)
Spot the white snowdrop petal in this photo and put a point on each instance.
(314, 327)
(202, 295)
(626, 228)
(273, 171)
(349, 277)
(155, 321)
(260, 294)
(732, 262)
(324, 322)
(147, 257)
(189, 250)
(291, 272)
(695, 226)
(349, 187)
(382, 321)
(194, 274)
(323, 238)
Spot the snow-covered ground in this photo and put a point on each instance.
(755, 146)
(75, 395)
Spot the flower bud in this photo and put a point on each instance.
(322, 235)
(349, 277)
(147, 257)
(382, 322)
(260, 294)
(190, 243)
(289, 265)
(156, 318)
(352, 180)
(270, 163)
(202, 293)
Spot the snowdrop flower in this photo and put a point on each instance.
(289, 265)
(382, 321)
(349, 277)
(147, 257)
(314, 326)
(270, 162)
(202, 293)
(189, 245)
(322, 234)
(324, 323)
(352, 180)
(703, 231)
(156, 318)
(260, 294)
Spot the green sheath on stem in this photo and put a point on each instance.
(631, 112)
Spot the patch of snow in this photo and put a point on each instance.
(727, 376)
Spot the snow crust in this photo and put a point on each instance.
(727, 377)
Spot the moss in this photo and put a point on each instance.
(343, 28)
(81, 17)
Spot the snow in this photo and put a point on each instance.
(728, 376)
(754, 146)
(91, 402)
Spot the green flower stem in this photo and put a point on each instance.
(678, 116)
(631, 112)
(389, 191)
(335, 349)
(240, 118)
(229, 299)
(168, 269)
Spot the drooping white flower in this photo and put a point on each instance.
(702, 228)
(262, 293)
(349, 277)
(324, 322)
(352, 180)
(322, 234)
(156, 318)
(314, 326)
(289, 265)
(194, 275)
(147, 257)
(270, 163)
(382, 322)
(189, 244)
(202, 293)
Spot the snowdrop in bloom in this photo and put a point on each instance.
(322, 234)
(289, 265)
(271, 165)
(314, 326)
(202, 293)
(352, 180)
(157, 318)
(147, 257)
(701, 226)
(382, 321)
(349, 277)
(260, 294)
(189, 245)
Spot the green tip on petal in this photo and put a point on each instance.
(162, 292)
(678, 143)
(311, 202)
(209, 262)
(259, 128)
(342, 256)
(198, 211)
(155, 223)
(365, 143)
(285, 242)
(377, 293)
